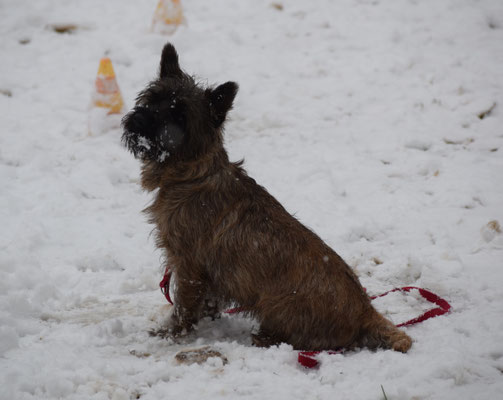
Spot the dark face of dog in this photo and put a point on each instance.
(174, 118)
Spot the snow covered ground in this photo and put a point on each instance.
(368, 119)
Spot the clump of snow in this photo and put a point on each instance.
(377, 123)
(163, 156)
(144, 142)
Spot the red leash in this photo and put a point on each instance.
(308, 358)
(442, 308)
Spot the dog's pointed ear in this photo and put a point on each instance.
(221, 99)
(169, 62)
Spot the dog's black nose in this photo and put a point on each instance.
(139, 121)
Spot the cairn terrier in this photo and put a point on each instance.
(228, 240)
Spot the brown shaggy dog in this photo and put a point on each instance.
(228, 240)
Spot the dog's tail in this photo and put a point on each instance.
(380, 332)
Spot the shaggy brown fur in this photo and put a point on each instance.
(228, 240)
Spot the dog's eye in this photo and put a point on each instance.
(169, 104)
(174, 111)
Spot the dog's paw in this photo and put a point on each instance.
(169, 333)
(400, 341)
(180, 330)
(179, 325)
(173, 330)
(403, 344)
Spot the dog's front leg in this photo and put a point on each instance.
(189, 295)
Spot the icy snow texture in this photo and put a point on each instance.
(360, 116)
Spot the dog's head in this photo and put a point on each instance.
(174, 118)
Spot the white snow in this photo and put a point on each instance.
(360, 116)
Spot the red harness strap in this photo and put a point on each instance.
(164, 284)
(308, 358)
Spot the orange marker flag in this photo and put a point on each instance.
(107, 94)
(168, 16)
